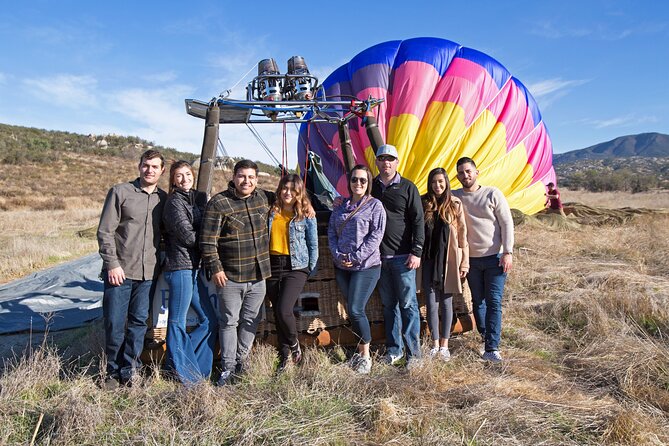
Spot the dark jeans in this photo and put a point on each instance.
(283, 290)
(486, 281)
(439, 305)
(189, 355)
(126, 304)
(357, 288)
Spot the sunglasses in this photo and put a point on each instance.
(385, 158)
(361, 180)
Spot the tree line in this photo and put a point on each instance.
(618, 180)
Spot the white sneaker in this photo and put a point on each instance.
(444, 354)
(361, 364)
(433, 352)
(391, 359)
(492, 356)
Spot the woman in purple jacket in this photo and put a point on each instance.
(354, 234)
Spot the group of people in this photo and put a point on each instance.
(385, 231)
(254, 244)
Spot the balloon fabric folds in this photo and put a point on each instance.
(443, 101)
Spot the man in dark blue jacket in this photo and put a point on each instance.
(401, 250)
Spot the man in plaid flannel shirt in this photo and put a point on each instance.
(235, 250)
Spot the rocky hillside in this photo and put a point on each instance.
(634, 163)
(42, 169)
(644, 145)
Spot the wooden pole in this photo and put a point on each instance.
(373, 132)
(346, 147)
(208, 154)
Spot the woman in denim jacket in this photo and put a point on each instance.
(355, 234)
(189, 355)
(293, 250)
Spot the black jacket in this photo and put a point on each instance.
(182, 219)
(405, 230)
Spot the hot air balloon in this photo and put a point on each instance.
(443, 101)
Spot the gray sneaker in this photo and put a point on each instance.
(225, 379)
(492, 356)
(414, 363)
(361, 364)
(391, 359)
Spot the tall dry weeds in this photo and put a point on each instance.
(586, 362)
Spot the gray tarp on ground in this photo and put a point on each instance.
(70, 293)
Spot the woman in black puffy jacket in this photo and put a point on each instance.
(189, 355)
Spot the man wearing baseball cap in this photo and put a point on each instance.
(401, 250)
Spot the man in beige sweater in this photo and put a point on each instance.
(490, 238)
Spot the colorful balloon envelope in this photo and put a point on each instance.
(443, 101)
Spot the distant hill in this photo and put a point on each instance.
(46, 169)
(632, 163)
(20, 145)
(24, 145)
(646, 145)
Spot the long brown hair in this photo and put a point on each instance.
(302, 205)
(173, 170)
(442, 206)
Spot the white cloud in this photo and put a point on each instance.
(551, 30)
(620, 121)
(50, 35)
(156, 114)
(597, 31)
(159, 115)
(548, 91)
(64, 90)
(167, 76)
(552, 86)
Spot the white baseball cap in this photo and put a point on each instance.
(387, 149)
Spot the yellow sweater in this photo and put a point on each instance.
(278, 239)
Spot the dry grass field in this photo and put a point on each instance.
(585, 341)
(587, 362)
(656, 199)
(47, 212)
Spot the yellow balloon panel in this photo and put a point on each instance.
(505, 171)
(530, 200)
(441, 127)
(402, 132)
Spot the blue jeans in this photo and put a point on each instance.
(357, 288)
(486, 282)
(189, 355)
(397, 288)
(125, 305)
(239, 314)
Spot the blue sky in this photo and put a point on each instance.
(598, 69)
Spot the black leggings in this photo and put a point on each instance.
(283, 290)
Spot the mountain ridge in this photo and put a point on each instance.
(645, 145)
